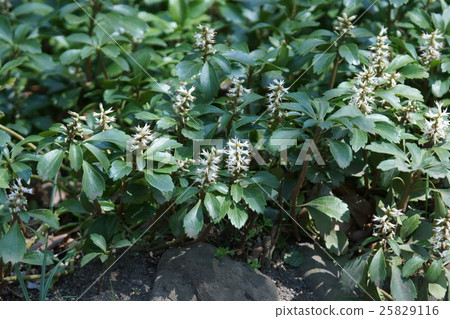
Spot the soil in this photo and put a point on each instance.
(132, 277)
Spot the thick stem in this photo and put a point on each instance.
(334, 73)
(102, 65)
(403, 204)
(299, 184)
(121, 205)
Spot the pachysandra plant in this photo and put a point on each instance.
(322, 116)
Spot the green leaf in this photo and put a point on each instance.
(13, 64)
(50, 163)
(399, 61)
(222, 62)
(22, 170)
(209, 81)
(178, 10)
(69, 56)
(212, 205)
(284, 138)
(438, 288)
(294, 259)
(395, 247)
(103, 160)
(75, 157)
(99, 241)
(389, 97)
(349, 52)
(36, 258)
(398, 3)
(112, 136)
(12, 245)
(387, 148)
(412, 265)
(409, 225)
(32, 8)
(309, 44)
(439, 88)
(377, 269)
(408, 92)
(387, 131)
(236, 192)
(93, 184)
(331, 206)
(358, 140)
(87, 258)
(341, 152)
(420, 18)
(240, 57)
(354, 272)
(237, 216)
(5, 29)
(401, 289)
(414, 71)
(4, 138)
(111, 50)
(255, 199)
(5, 177)
(336, 242)
(162, 182)
(193, 221)
(46, 216)
(187, 69)
(119, 169)
(322, 62)
(435, 270)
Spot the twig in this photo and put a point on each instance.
(16, 135)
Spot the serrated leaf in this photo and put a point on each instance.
(412, 265)
(341, 152)
(103, 160)
(119, 169)
(212, 205)
(50, 163)
(236, 192)
(331, 206)
(46, 216)
(75, 157)
(377, 269)
(99, 241)
(254, 198)
(401, 289)
(322, 62)
(409, 226)
(434, 271)
(237, 216)
(12, 245)
(438, 288)
(209, 80)
(350, 53)
(193, 221)
(113, 136)
(93, 184)
(162, 182)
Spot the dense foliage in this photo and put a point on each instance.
(156, 123)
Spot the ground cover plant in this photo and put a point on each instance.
(161, 123)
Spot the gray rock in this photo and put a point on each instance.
(193, 273)
(320, 273)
